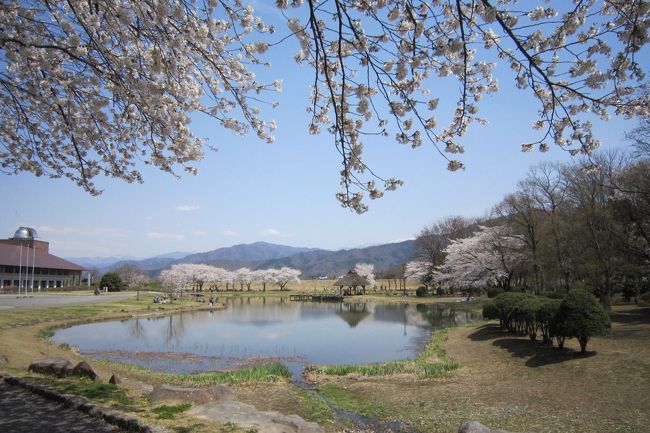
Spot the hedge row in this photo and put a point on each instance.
(576, 315)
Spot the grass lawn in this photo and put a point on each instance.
(501, 380)
(508, 382)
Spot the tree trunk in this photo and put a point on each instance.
(583, 344)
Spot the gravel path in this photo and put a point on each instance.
(24, 412)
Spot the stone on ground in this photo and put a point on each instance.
(84, 369)
(114, 380)
(190, 395)
(248, 417)
(57, 366)
(477, 427)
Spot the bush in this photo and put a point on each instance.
(506, 305)
(546, 313)
(421, 292)
(580, 315)
(553, 295)
(112, 281)
(490, 311)
(493, 292)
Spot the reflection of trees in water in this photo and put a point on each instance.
(175, 329)
(136, 329)
(442, 315)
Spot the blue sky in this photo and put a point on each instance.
(284, 192)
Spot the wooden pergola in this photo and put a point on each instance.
(352, 281)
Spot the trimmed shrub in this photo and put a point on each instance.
(553, 295)
(506, 303)
(546, 312)
(490, 311)
(580, 315)
(493, 292)
(421, 292)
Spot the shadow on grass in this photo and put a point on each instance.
(538, 354)
(486, 332)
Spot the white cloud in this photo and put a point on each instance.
(82, 231)
(229, 233)
(199, 233)
(187, 207)
(159, 235)
(270, 232)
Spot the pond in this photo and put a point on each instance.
(264, 330)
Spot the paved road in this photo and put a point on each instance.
(44, 301)
(24, 412)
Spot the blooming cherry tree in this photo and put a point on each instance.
(244, 276)
(264, 276)
(578, 59)
(89, 88)
(417, 270)
(284, 276)
(367, 271)
(489, 257)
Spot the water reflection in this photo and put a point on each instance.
(264, 330)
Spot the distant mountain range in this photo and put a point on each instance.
(312, 262)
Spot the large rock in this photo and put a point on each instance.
(248, 417)
(84, 369)
(190, 395)
(57, 366)
(477, 427)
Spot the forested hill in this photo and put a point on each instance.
(246, 253)
(261, 255)
(336, 263)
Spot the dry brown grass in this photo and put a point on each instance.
(509, 382)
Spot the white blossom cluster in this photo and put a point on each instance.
(487, 258)
(92, 87)
(366, 270)
(191, 276)
(578, 59)
(417, 270)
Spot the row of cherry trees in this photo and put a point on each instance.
(199, 277)
(582, 224)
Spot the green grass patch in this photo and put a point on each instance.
(170, 412)
(92, 390)
(318, 409)
(432, 363)
(343, 399)
(45, 333)
(259, 373)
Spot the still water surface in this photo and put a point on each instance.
(264, 330)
